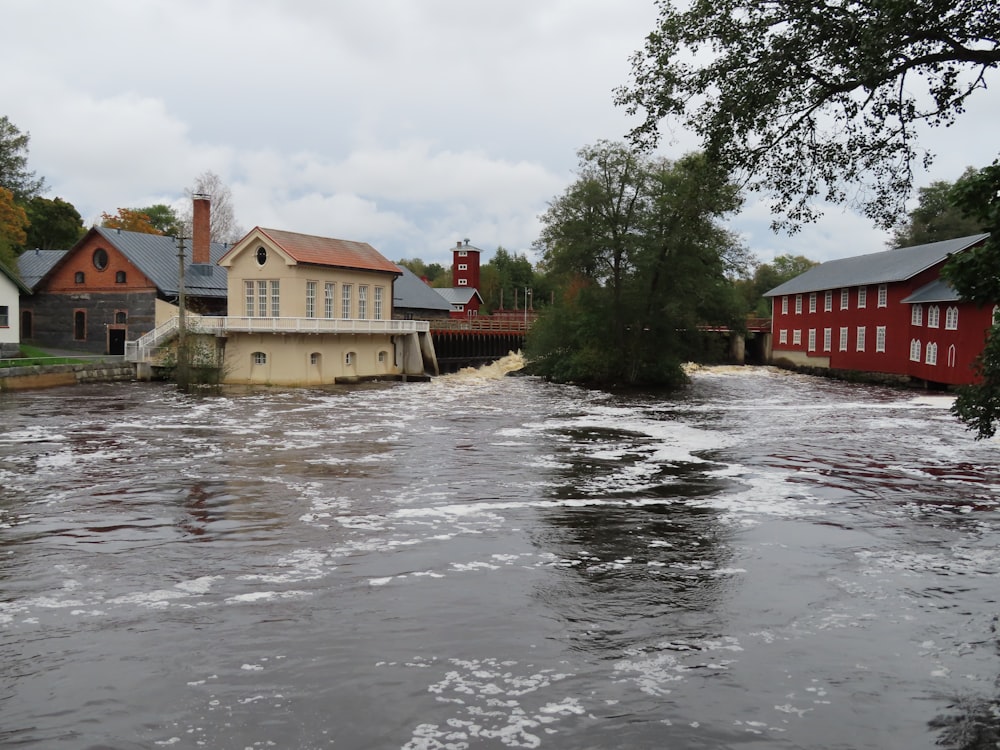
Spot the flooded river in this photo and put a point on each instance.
(764, 560)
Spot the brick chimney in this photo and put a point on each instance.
(201, 229)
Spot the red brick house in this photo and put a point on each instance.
(886, 312)
(113, 286)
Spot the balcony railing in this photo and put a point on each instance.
(143, 348)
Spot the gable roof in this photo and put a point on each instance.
(328, 251)
(875, 268)
(15, 279)
(34, 264)
(411, 291)
(459, 295)
(156, 256)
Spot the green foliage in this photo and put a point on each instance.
(769, 275)
(936, 217)
(163, 218)
(641, 261)
(54, 224)
(814, 101)
(975, 276)
(14, 174)
(430, 271)
(504, 280)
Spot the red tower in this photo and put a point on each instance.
(465, 266)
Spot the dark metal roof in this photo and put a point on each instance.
(459, 295)
(34, 264)
(156, 256)
(875, 268)
(410, 291)
(936, 291)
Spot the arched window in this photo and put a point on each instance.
(951, 356)
(933, 316)
(259, 358)
(915, 350)
(314, 358)
(349, 358)
(917, 315)
(930, 356)
(951, 319)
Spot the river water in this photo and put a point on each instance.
(764, 560)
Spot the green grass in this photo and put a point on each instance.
(32, 355)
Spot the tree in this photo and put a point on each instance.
(814, 100)
(429, 271)
(129, 220)
(936, 217)
(14, 174)
(54, 224)
(164, 218)
(511, 274)
(641, 260)
(13, 223)
(769, 275)
(974, 276)
(223, 217)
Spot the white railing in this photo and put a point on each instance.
(143, 348)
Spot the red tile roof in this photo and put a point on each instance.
(327, 251)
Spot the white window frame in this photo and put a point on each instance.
(345, 301)
(797, 337)
(311, 299)
(933, 316)
(378, 302)
(845, 299)
(784, 305)
(463, 266)
(812, 302)
(917, 315)
(362, 301)
(827, 339)
(828, 300)
(859, 344)
(844, 335)
(930, 353)
(880, 338)
(862, 297)
(251, 295)
(261, 298)
(463, 282)
(914, 350)
(951, 318)
(811, 340)
(798, 304)
(259, 358)
(275, 298)
(783, 336)
(883, 295)
(329, 294)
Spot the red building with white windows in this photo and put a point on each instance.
(463, 297)
(887, 312)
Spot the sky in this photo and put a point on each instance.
(407, 124)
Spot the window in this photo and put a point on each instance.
(463, 266)
(261, 256)
(883, 296)
(845, 299)
(119, 277)
(860, 343)
(363, 301)
(262, 298)
(933, 316)
(121, 317)
(314, 358)
(915, 350)
(796, 337)
(259, 358)
(843, 339)
(328, 292)
(248, 303)
(917, 315)
(862, 297)
(812, 302)
(310, 299)
(783, 336)
(345, 301)
(880, 338)
(951, 356)
(784, 305)
(463, 282)
(4, 316)
(382, 357)
(951, 319)
(463, 253)
(378, 302)
(78, 277)
(798, 304)
(812, 340)
(275, 299)
(930, 355)
(828, 300)
(827, 339)
(100, 259)
(349, 358)
(79, 325)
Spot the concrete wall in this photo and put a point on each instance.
(48, 376)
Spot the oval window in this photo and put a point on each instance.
(261, 256)
(100, 259)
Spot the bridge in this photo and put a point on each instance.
(472, 342)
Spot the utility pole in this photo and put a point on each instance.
(182, 353)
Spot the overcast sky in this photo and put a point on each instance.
(408, 124)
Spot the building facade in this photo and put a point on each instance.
(887, 312)
(11, 289)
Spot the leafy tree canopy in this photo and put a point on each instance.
(769, 275)
(429, 271)
(164, 218)
(936, 217)
(636, 246)
(55, 224)
(816, 100)
(130, 220)
(14, 174)
(13, 223)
